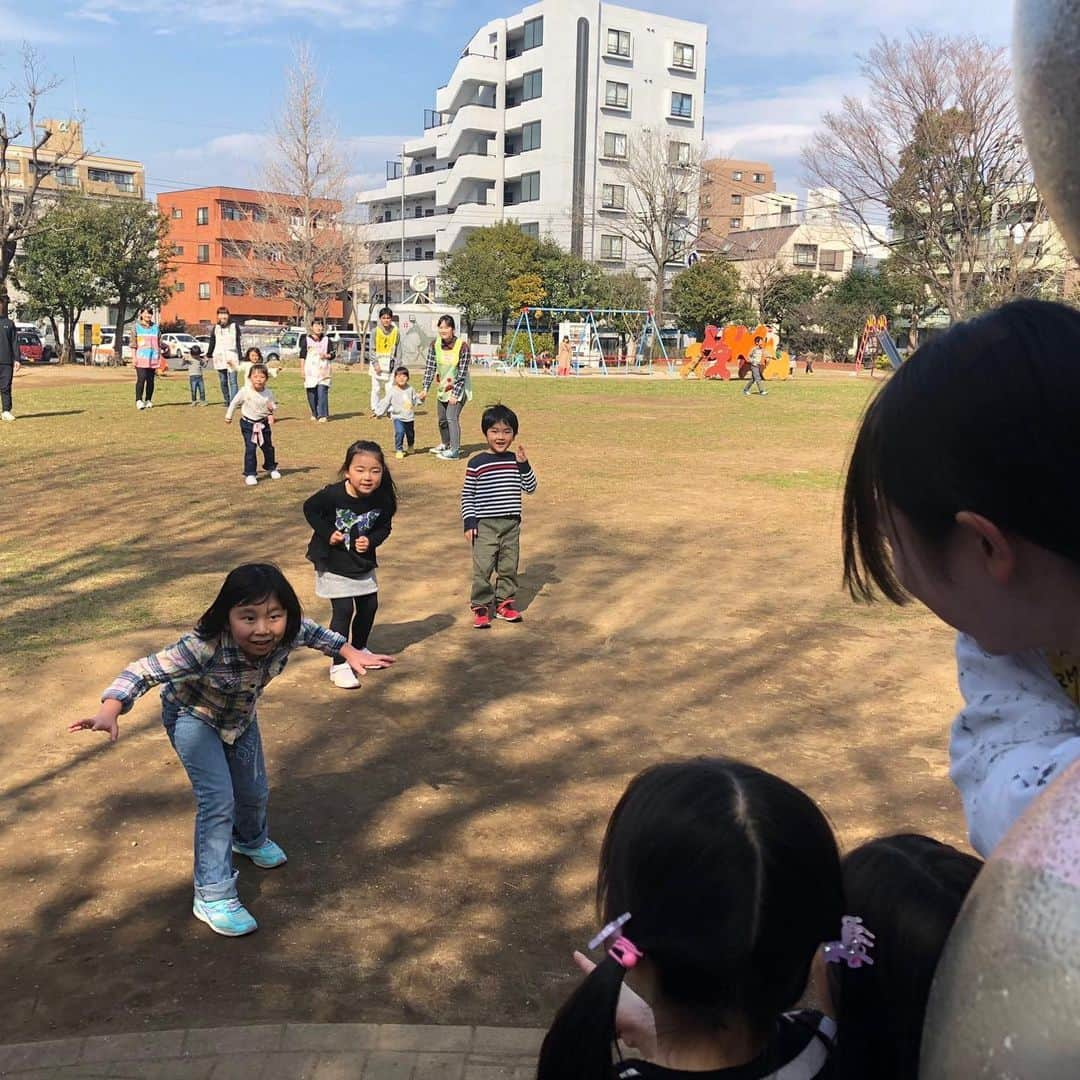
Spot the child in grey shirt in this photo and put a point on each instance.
(400, 402)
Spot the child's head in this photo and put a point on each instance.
(500, 427)
(258, 375)
(401, 376)
(223, 316)
(957, 489)
(908, 890)
(146, 315)
(257, 606)
(366, 472)
(254, 355)
(317, 327)
(731, 878)
(386, 318)
(758, 341)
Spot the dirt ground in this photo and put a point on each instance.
(681, 594)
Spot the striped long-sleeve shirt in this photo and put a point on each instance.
(213, 678)
(493, 487)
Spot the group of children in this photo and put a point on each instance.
(720, 885)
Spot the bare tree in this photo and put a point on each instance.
(661, 176)
(302, 248)
(759, 276)
(51, 152)
(935, 143)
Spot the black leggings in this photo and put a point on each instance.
(144, 377)
(357, 611)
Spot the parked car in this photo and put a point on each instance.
(287, 347)
(177, 346)
(346, 347)
(30, 347)
(104, 353)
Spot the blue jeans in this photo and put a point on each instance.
(404, 430)
(247, 428)
(229, 385)
(318, 399)
(198, 388)
(231, 794)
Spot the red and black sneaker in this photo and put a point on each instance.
(507, 611)
(481, 618)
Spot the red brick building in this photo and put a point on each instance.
(211, 231)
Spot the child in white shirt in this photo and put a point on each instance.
(256, 405)
(315, 356)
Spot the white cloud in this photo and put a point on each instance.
(15, 27)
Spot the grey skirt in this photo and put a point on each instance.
(336, 587)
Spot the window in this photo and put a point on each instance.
(532, 85)
(64, 175)
(682, 105)
(683, 56)
(682, 203)
(534, 33)
(613, 196)
(806, 255)
(204, 290)
(263, 290)
(202, 215)
(530, 136)
(736, 222)
(831, 260)
(736, 199)
(418, 253)
(618, 43)
(617, 95)
(530, 186)
(430, 253)
(177, 213)
(235, 249)
(231, 212)
(611, 247)
(679, 153)
(203, 253)
(178, 249)
(704, 224)
(531, 228)
(736, 175)
(234, 287)
(614, 144)
(759, 178)
(124, 180)
(178, 287)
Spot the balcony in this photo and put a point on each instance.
(469, 120)
(467, 172)
(472, 71)
(415, 228)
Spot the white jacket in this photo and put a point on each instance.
(1017, 731)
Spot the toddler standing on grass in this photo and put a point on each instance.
(256, 405)
(195, 367)
(491, 512)
(400, 402)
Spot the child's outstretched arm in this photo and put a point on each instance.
(330, 643)
(1018, 730)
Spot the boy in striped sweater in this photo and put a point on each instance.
(491, 512)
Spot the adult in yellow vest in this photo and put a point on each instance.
(448, 366)
(383, 361)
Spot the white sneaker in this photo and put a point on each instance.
(274, 474)
(8, 416)
(149, 405)
(140, 405)
(251, 481)
(437, 449)
(323, 419)
(343, 677)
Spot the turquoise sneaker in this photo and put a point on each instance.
(226, 917)
(267, 854)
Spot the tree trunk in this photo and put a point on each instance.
(118, 336)
(56, 336)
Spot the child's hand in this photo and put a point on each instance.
(359, 659)
(452, 400)
(634, 1020)
(228, 419)
(520, 454)
(105, 719)
(270, 419)
(361, 543)
(422, 395)
(470, 536)
(337, 537)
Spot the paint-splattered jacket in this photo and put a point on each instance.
(1018, 730)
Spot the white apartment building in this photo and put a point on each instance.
(532, 126)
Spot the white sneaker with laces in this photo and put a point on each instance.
(251, 481)
(7, 416)
(343, 677)
(274, 474)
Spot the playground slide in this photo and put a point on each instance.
(888, 346)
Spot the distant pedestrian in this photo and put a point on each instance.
(9, 358)
(147, 356)
(224, 350)
(195, 366)
(809, 367)
(755, 359)
(315, 356)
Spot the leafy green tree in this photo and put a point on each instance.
(526, 290)
(708, 292)
(135, 263)
(61, 271)
(787, 296)
(570, 281)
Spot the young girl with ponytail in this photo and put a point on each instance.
(718, 883)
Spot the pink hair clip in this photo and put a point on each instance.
(612, 927)
(854, 944)
(624, 952)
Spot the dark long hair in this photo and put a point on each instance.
(982, 418)
(908, 889)
(385, 495)
(251, 583)
(732, 879)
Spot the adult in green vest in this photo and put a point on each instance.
(448, 365)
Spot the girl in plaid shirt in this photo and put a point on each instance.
(210, 681)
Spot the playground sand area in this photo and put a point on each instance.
(681, 590)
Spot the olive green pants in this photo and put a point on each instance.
(495, 551)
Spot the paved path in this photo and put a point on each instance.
(285, 1052)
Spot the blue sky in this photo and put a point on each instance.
(190, 86)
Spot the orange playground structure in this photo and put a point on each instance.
(709, 359)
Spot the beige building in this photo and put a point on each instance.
(729, 192)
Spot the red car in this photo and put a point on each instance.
(30, 349)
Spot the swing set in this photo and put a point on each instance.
(588, 343)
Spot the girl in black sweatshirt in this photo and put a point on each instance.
(349, 520)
